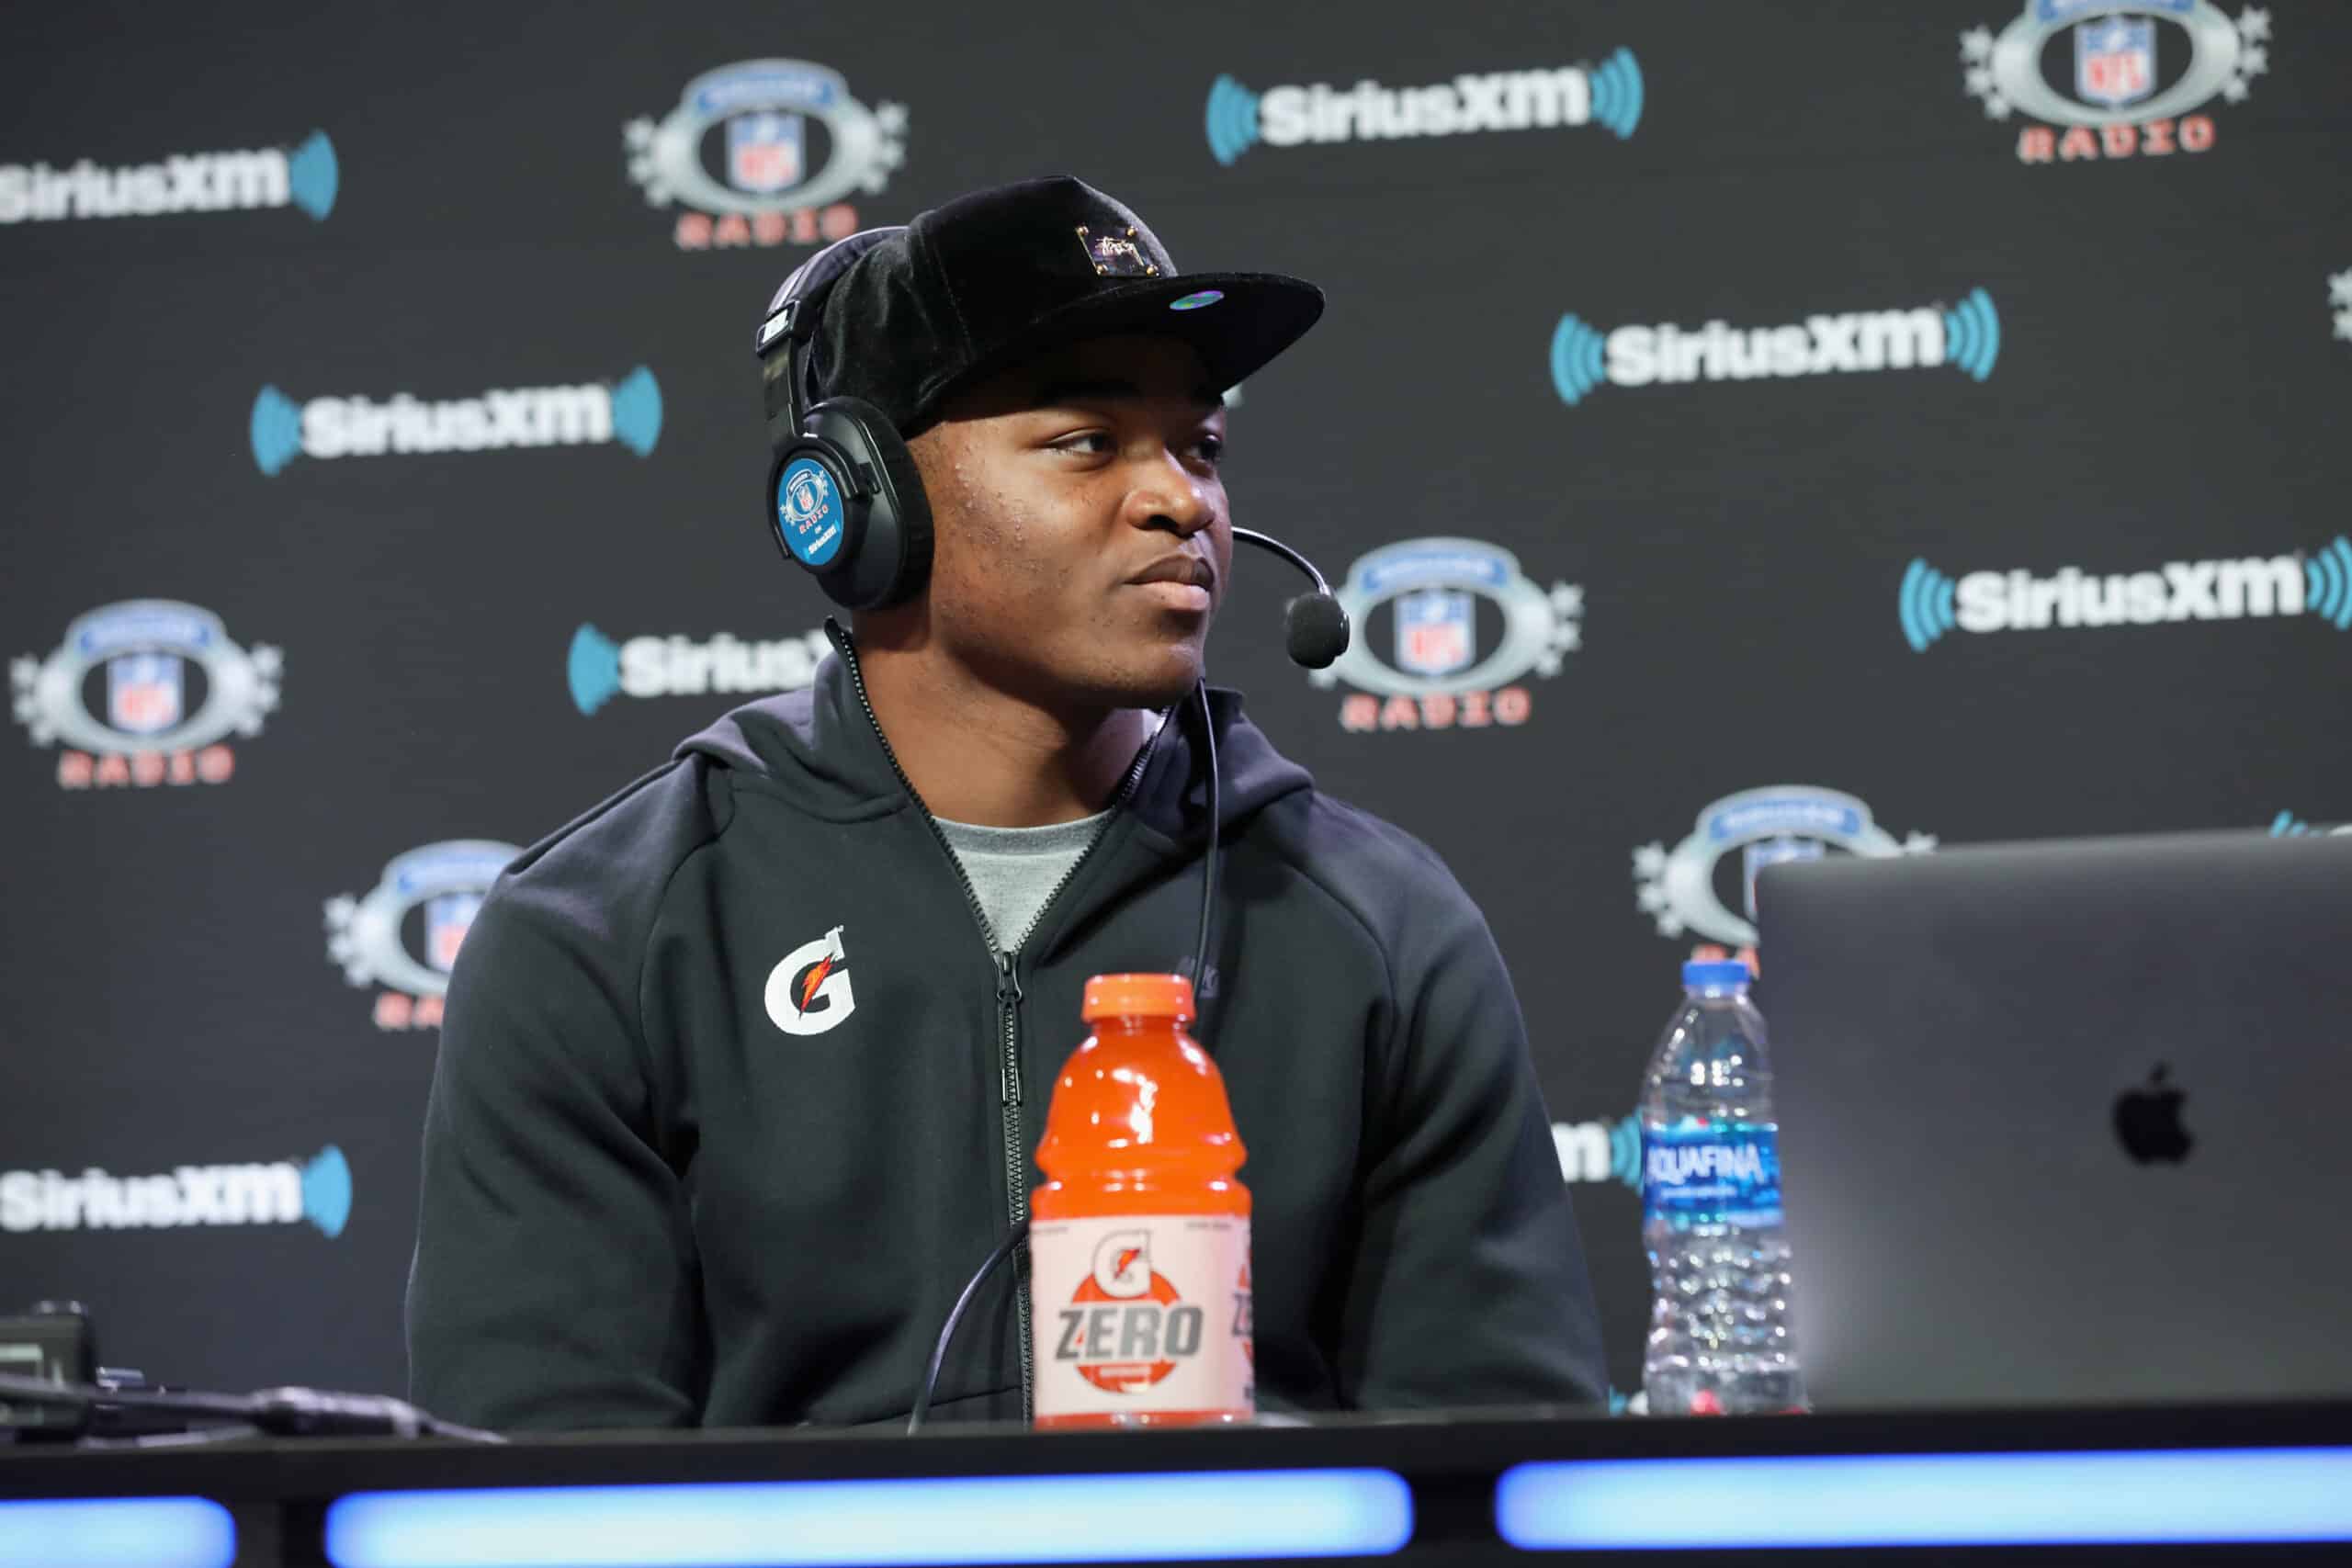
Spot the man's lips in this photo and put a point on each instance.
(1180, 568)
(1180, 582)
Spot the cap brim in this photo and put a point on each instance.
(1237, 321)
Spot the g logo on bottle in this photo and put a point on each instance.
(809, 992)
(1123, 1264)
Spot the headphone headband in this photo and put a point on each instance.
(844, 498)
(791, 320)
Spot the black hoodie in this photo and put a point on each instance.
(646, 1202)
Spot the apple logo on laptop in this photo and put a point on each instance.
(2148, 1121)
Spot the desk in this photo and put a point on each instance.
(2252, 1484)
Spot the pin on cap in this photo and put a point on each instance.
(1116, 255)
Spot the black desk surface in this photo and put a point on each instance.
(280, 1492)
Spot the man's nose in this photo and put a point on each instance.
(1172, 500)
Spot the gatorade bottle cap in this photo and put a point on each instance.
(1702, 975)
(1137, 996)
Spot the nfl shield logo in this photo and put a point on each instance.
(1433, 631)
(143, 692)
(763, 151)
(2115, 60)
(448, 917)
(1776, 851)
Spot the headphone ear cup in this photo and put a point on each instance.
(812, 515)
(891, 558)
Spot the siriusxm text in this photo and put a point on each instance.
(199, 182)
(528, 416)
(678, 666)
(1497, 100)
(1856, 340)
(2183, 591)
(191, 1195)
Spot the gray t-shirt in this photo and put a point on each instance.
(1015, 870)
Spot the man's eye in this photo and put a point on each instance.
(1210, 447)
(1086, 442)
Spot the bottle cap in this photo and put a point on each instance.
(1720, 974)
(1137, 996)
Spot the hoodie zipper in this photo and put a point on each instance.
(1008, 994)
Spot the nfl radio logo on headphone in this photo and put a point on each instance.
(807, 514)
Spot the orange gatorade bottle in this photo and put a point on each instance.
(1139, 1239)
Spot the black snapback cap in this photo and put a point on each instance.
(983, 282)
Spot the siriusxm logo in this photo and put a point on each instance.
(1610, 95)
(305, 176)
(1928, 603)
(1966, 336)
(598, 667)
(280, 1193)
(1599, 1151)
(628, 412)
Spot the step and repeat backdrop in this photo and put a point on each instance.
(1743, 431)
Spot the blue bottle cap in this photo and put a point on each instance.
(1720, 974)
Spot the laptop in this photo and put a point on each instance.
(2067, 1122)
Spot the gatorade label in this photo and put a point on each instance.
(1142, 1314)
(1711, 1173)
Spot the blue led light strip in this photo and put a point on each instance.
(117, 1532)
(2015, 1499)
(1297, 1513)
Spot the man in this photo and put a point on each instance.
(743, 1071)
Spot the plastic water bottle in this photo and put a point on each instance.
(1719, 1340)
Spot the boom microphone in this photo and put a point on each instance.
(1315, 629)
(1315, 626)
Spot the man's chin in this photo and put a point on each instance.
(1151, 677)
(1165, 685)
(1101, 673)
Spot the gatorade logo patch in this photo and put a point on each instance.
(1157, 1319)
(808, 993)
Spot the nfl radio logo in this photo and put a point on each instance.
(448, 917)
(2115, 60)
(763, 151)
(143, 692)
(1434, 628)
(1776, 851)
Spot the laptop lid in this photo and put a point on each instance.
(2067, 1121)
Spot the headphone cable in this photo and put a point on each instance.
(1208, 865)
(1004, 1249)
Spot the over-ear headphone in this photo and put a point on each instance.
(844, 498)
